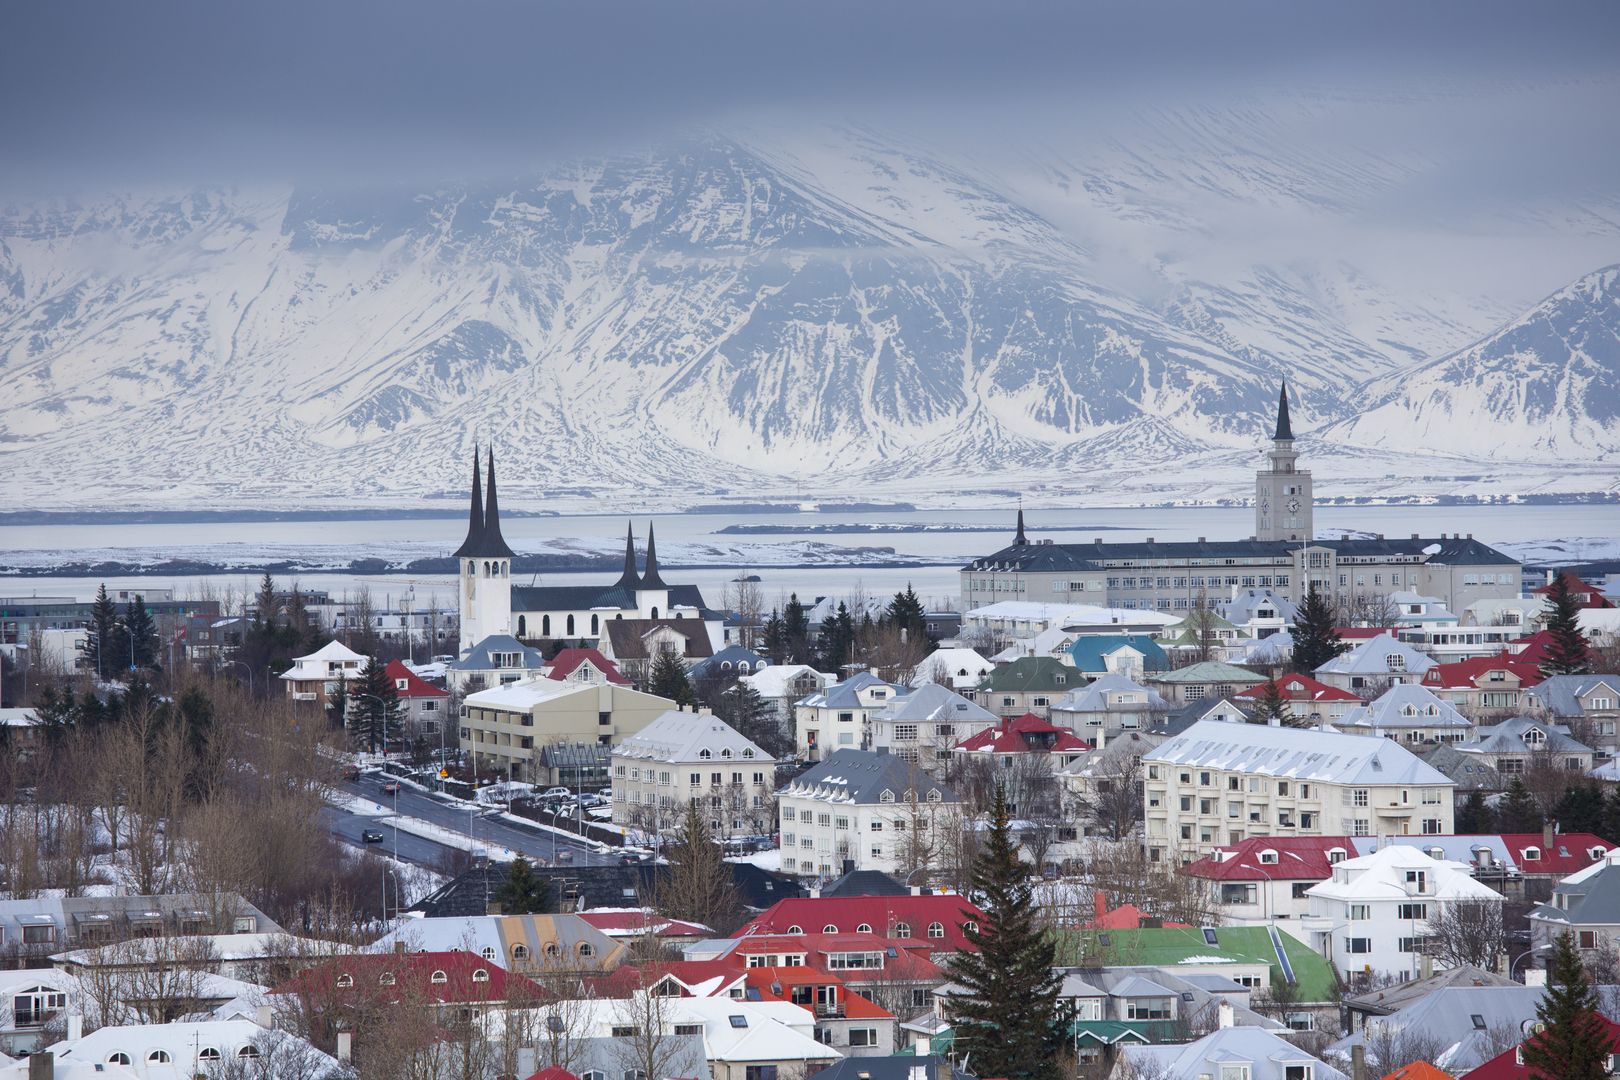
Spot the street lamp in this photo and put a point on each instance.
(397, 898)
(384, 706)
(243, 664)
(1527, 953)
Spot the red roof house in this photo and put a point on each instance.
(553, 1072)
(1308, 697)
(1507, 1066)
(1026, 734)
(409, 686)
(1533, 649)
(933, 918)
(444, 978)
(1124, 917)
(641, 922)
(1586, 594)
(1567, 853)
(1273, 858)
(583, 665)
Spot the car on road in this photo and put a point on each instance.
(372, 836)
(351, 772)
(588, 801)
(391, 787)
(631, 858)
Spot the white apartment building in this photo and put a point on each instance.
(835, 718)
(1218, 783)
(857, 810)
(927, 723)
(1371, 916)
(683, 758)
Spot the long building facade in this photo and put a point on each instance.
(1283, 555)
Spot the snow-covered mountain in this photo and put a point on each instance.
(1546, 386)
(722, 315)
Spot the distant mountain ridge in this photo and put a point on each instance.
(707, 318)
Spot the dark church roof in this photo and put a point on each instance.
(484, 540)
(628, 579)
(1285, 430)
(1039, 558)
(649, 577)
(532, 598)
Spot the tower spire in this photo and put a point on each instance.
(475, 515)
(629, 579)
(493, 543)
(650, 579)
(1285, 430)
(1019, 539)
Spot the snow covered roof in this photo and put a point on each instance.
(332, 651)
(683, 737)
(1210, 671)
(1069, 615)
(480, 657)
(1374, 657)
(1097, 696)
(956, 667)
(931, 701)
(502, 934)
(1267, 1056)
(184, 1046)
(415, 686)
(1405, 705)
(1246, 606)
(1016, 735)
(525, 694)
(1323, 756)
(844, 695)
(774, 680)
(1520, 735)
(864, 777)
(1381, 875)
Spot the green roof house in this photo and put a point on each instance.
(1027, 685)
(1197, 682)
(1233, 951)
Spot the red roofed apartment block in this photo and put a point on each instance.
(1310, 699)
(1508, 1065)
(933, 918)
(444, 978)
(1026, 734)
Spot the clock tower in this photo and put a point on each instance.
(1282, 492)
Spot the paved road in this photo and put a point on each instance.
(539, 845)
(412, 848)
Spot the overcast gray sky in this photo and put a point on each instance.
(120, 94)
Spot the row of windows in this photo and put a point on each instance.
(899, 930)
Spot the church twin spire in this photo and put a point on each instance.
(484, 540)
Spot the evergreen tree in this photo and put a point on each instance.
(140, 634)
(299, 627)
(1568, 653)
(1474, 817)
(374, 712)
(1315, 640)
(105, 644)
(755, 719)
(668, 679)
(796, 631)
(837, 640)
(1580, 810)
(1517, 812)
(773, 642)
(1005, 1011)
(57, 714)
(265, 607)
(1573, 1043)
(523, 892)
(905, 612)
(699, 885)
(1272, 706)
(1611, 815)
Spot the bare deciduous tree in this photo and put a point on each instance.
(1468, 932)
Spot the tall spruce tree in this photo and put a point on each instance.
(837, 640)
(1574, 1042)
(1005, 1011)
(374, 711)
(773, 642)
(755, 719)
(905, 612)
(796, 631)
(1272, 706)
(1568, 653)
(105, 642)
(523, 892)
(1473, 816)
(668, 679)
(265, 608)
(699, 886)
(140, 634)
(1517, 811)
(1315, 640)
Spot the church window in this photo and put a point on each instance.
(545, 626)
(471, 567)
(523, 627)
(570, 630)
(655, 613)
(595, 626)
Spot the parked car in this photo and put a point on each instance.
(556, 793)
(351, 772)
(391, 787)
(372, 836)
(588, 801)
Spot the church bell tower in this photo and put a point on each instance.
(1282, 492)
(485, 564)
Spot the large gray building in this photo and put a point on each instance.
(1283, 556)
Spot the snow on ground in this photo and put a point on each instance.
(765, 860)
(1573, 550)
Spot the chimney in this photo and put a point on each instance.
(1097, 540)
(849, 866)
(1150, 539)
(399, 946)
(1414, 536)
(1548, 828)
(75, 1027)
(42, 1066)
(345, 1047)
(1425, 966)
(264, 1017)
(1099, 904)
(1358, 1062)
(1224, 1012)
(1201, 540)
(491, 907)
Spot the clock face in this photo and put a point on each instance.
(1293, 506)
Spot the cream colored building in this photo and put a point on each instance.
(505, 728)
(682, 758)
(1219, 783)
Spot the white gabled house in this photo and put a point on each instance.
(1375, 665)
(316, 677)
(1408, 713)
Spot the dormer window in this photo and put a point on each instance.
(1395, 662)
(1268, 857)
(1532, 854)
(705, 754)
(1335, 855)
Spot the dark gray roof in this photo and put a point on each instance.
(478, 659)
(1592, 901)
(732, 654)
(862, 776)
(1285, 430)
(866, 883)
(893, 1067)
(1468, 771)
(1039, 558)
(613, 597)
(1559, 694)
(628, 637)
